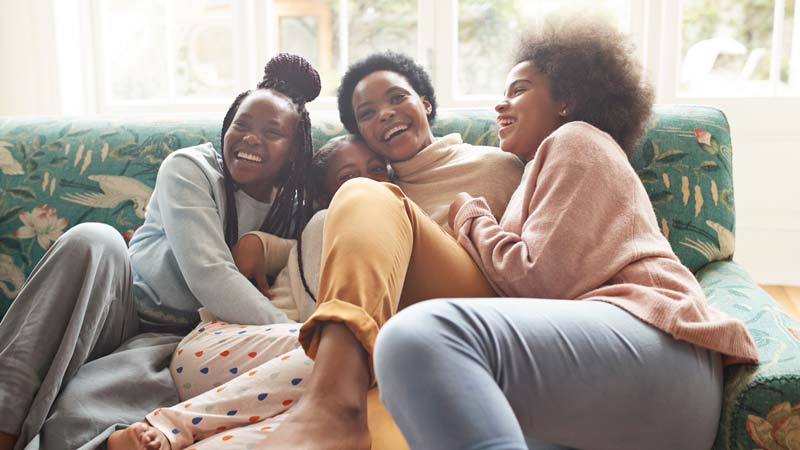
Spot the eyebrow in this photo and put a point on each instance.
(516, 82)
(388, 92)
(346, 166)
(270, 121)
(362, 105)
(396, 88)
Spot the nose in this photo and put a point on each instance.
(251, 139)
(501, 106)
(386, 114)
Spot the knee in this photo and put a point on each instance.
(365, 191)
(416, 335)
(86, 238)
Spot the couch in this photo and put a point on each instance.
(58, 172)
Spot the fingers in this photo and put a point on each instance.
(263, 286)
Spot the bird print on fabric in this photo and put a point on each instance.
(115, 190)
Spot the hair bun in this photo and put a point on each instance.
(295, 72)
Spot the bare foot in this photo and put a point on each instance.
(312, 425)
(332, 414)
(7, 441)
(139, 436)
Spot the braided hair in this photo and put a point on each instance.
(294, 77)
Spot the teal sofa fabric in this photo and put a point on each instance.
(58, 172)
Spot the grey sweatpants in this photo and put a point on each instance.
(76, 306)
(485, 374)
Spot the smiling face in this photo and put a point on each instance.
(352, 160)
(260, 141)
(391, 116)
(528, 113)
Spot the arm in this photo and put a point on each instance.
(275, 250)
(578, 201)
(195, 235)
(258, 255)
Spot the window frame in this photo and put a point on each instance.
(653, 25)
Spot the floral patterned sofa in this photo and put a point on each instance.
(58, 172)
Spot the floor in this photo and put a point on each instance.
(788, 296)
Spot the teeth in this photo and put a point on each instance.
(393, 130)
(249, 157)
(505, 122)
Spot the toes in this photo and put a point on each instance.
(145, 438)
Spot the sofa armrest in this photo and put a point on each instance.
(758, 399)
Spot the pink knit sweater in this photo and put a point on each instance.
(581, 226)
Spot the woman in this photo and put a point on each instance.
(624, 353)
(382, 251)
(90, 293)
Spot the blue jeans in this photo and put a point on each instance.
(481, 374)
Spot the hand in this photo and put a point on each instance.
(248, 255)
(461, 198)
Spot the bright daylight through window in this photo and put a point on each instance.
(200, 51)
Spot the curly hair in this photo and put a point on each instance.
(591, 66)
(294, 77)
(399, 63)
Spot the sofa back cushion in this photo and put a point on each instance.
(58, 172)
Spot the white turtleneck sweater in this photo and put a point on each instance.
(434, 176)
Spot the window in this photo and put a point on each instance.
(164, 51)
(194, 55)
(739, 48)
(169, 53)
(487, 31)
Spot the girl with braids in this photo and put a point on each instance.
(90, 293)
(266, 156)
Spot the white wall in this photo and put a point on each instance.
(766, 165)
(28, 78)
(766, 140)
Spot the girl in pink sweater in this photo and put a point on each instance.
(613, 346)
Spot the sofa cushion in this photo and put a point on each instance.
(761, 405)
(57, 173)
(60, 172)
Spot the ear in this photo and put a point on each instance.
(427, 104)
(567, 108)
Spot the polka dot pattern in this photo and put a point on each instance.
(239, 384)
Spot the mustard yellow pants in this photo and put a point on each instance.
(380, 254)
